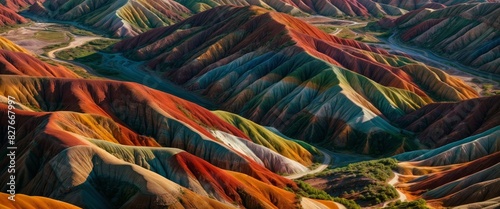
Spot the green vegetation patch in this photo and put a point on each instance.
(90, 48)
(363, 182)
(307, 190)
(327, 29)
(416, 204)
(7, 28)
(66, 42)
(80, 32)
(52, 36)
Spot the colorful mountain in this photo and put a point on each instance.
(20, 63)
(17, 5)
(98, 143)
(435, 4)
(460, 173)
(92, 145)
(32, 202)
(125, 18)
(9, 16)
(140, 147)
(6, 44)
(279, 71)
(439, 124)
(301, 7)
(467, 33)
(121, 18)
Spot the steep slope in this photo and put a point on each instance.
(17, 5)
(121, 18)
(68, 141)
(20, 63)
(439, 124)
(467, 33)
(122, 149)
(298, 7)
(169, 123)
(6, 44)
(488, 204)
(32, 202)
(459, 173)
(279, 71)
(416, 4)
(131, 17)
(263, 136)
(9, 16)
(95, 146)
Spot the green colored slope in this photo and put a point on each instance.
(317, 101)
(260, 135)
(462, 151)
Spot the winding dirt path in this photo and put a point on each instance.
(393, 182)
(307, 203)
(78, 41)
(454, 68)
(326, 161)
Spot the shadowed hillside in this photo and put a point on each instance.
(459, 173)
(443, 123)
(139, 148)
(121, 18)
(467, 33)
(279, 71)
(9, 16)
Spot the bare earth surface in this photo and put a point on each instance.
(393, 182)
(25, 37)
(322, 20)
(323, 166)
(465, 73)
(78, 41)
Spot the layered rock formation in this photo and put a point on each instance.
(417, 4)
(81, 142)
(121, 18)
(464, 172)
(467, 33)
(439, 124)
(9, 16)
(17, 5)
(279, 71)
(125, 18)
(32, 202)
(6, 44)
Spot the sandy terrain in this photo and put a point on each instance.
(78, 41)
(25, 37)
(309, 204)
(322, 20)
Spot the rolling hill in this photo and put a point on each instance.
(17, 5)
(169, 152)
(275, 85)
(279, 71)
(301, 7)
(121, 18)
(126, 18)
(467, 33)
(439, 124)
(9, 16)
(6, 44)
(413, 5)
(32, 202)
(460, 173)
